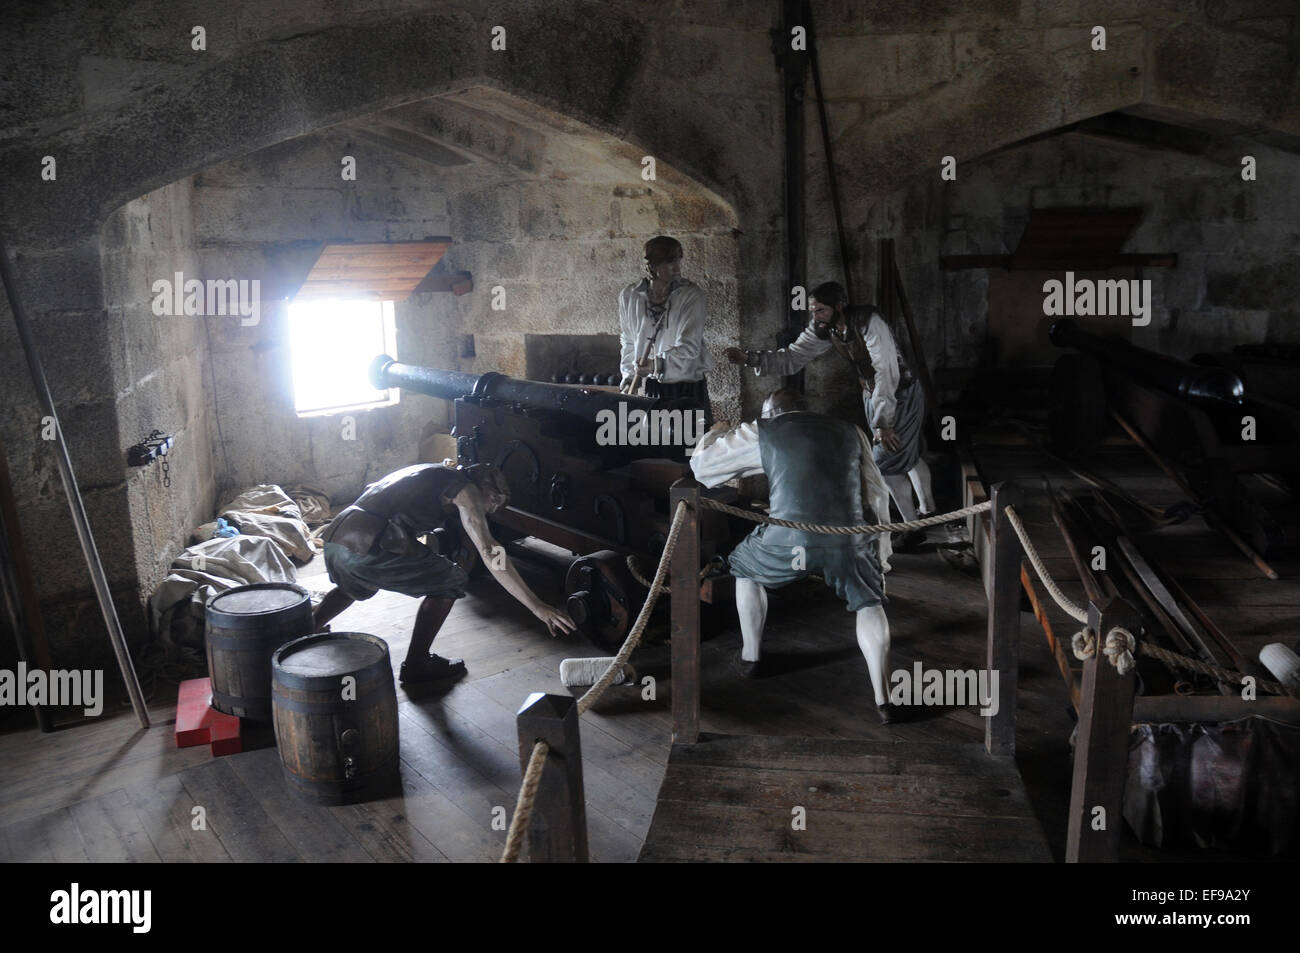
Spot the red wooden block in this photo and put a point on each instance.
(198, 723)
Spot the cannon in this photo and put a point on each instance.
(571, 486)
(1238, 448)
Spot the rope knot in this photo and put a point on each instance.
(1120, 645)
(1084, 644)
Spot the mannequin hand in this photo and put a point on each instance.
(557, 622)
(735, 355)
(889, 439)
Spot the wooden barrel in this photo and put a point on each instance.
(335, 713)
(243, 626)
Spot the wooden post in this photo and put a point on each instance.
(557, 832)
(1004, 620)
(685, 584)
(1101, 744)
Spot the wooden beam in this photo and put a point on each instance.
(1096, 815)
(1081, 263)
(557, 830)
(1004, 620)
(1156, 709)
(458, 283)
(685, 585)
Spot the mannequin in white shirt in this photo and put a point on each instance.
(661, 327)
(869, 345)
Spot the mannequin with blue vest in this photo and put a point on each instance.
(820, 470)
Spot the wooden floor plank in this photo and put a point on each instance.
(945, 795)
(842, 836)
(312, 829)
(166, 811)
(234, 815)
(111, 830)
(384, 831)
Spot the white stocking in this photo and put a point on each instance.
(900, 488)
(751, 606)
(920, 477)
(873, 639)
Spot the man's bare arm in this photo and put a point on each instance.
(470, 503)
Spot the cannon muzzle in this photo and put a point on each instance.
(571, 401)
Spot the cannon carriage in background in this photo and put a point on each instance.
(600, 501)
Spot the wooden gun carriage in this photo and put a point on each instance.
(601, 500)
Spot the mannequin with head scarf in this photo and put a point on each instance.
(661, 327)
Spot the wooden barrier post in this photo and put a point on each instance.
(1101, 744)
(684, 580)
(557, 832)
(1004, 619)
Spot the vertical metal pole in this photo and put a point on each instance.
(97, 575)
(684, 580)
(1004, 620)
(1101, 744)
(557, 832)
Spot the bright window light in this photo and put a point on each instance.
(332, 343)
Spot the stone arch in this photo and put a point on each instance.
(274, 90)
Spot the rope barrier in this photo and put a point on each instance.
(657, 586)
(533, 773)
(1069, 608)
(1195, 665)
(847, 530)
(1119, 647)
(524, 804)
(634, 568)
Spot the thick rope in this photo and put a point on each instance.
(1068, 607)
(1222, 674)
(634, 568)
(537, 761)
(1119, 647)
(1120, 643)
(524, 805)
(847, 530)
(657, 586)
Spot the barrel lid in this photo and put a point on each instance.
(258, 598)
(333, 653)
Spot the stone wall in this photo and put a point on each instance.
(559, 247)
(164, 376)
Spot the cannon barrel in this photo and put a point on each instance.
(1189, 381)
(449, 385)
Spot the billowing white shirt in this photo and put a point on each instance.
(678, 349)
(726, 453)
(879, 342)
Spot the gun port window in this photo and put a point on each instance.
(332, 342)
